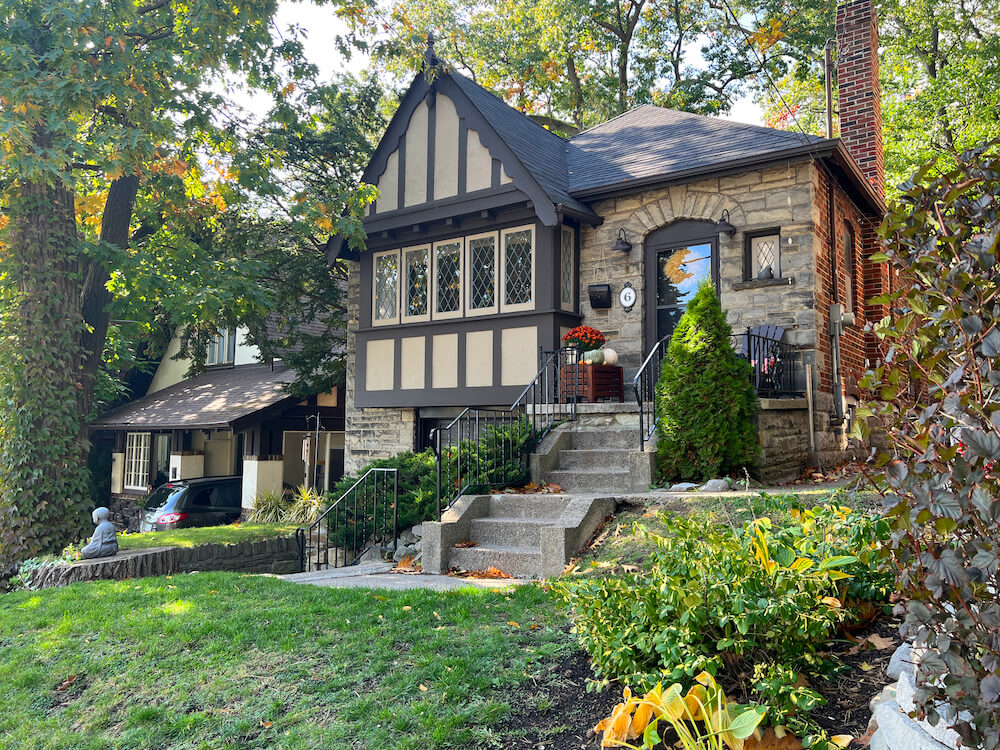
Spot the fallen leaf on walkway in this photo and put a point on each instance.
(465, 544)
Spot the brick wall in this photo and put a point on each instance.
(369, 433)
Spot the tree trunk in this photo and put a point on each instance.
(44, 492)
(115, 223)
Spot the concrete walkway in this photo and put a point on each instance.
(377, 575)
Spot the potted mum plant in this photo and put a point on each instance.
(591, 379)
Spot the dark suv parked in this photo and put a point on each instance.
(183, 503)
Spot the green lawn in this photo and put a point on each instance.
(229, 660)
(232, 534)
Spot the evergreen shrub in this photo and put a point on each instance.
(706, 406)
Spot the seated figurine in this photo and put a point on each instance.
(104, 543)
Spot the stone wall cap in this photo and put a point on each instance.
(773, 404)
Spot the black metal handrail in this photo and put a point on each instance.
(354, 523)
(644, 385)
(488, 448)
(774, 373)
(774, 366)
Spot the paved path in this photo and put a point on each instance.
(376, 575)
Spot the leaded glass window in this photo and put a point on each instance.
(566, 268)
(518, 260)
(448, 277)
(482, 273)
(386, 298)
(765, 256)
(417, 281)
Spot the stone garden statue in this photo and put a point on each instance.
(104, 543)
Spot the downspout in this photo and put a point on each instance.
(836, 317)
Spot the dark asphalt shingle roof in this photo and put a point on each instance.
(651, 141)
(216, 398)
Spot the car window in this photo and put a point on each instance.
(202, 497)
(165, 497)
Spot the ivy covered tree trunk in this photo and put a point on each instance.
(43, 449)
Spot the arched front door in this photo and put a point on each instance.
(678, 258)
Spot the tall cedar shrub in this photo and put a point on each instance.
(937, 402)
(706, 404)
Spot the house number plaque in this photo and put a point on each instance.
(628, 296)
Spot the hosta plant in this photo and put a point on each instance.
(701, 719)
(936, 400)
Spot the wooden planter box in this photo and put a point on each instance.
(592, 383)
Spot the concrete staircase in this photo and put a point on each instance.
(527, 536)
(596, 461)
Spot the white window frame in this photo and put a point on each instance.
(460, 241)
(404, 284)
(752, 237)
(470, 311)
(137, 466)
(565, 230)
(502, 258)
(225, 342)
(374, 290)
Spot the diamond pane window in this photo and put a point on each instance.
(482, 272)
(517, 267)
(386, 302)
(415, 262)
(566, 268)
(765, 254)
(448, 277)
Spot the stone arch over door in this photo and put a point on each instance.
(687, 241)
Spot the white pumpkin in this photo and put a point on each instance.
(610, 357)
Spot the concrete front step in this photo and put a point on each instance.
(519, 561)
(595, 458)
(527, 506)
(518, 532)
(605, 439)
(592, 481)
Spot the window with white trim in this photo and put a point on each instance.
(222, 349)
(567, 272)
(448, 279)
(385, 290)
(481, 281)
(518, 269)
(137, 461)
(416, 290)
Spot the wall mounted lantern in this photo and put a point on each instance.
(622, 245)
(724, 226)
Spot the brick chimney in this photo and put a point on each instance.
(858, 88)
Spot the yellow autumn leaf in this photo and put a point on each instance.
(841, 740)
(423, 688)
(831, 601)
(513, 624)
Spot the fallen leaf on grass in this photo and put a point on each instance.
(513, 624)
(379, 598)
(423, 688)
(67, 682)
(407, 608)
(436, 615)
(266, 724)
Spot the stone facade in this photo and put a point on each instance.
(369, 433)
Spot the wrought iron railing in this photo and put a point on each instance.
(774, 365)
(363, 517)
(644, 385)
(774, 373)
(483, 449)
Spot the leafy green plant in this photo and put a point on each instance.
(936, 401)
(760, 599)
(305, 507)
(270, 507)
(705, 402)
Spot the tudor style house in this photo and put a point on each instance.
(490, 234)
(235, 418)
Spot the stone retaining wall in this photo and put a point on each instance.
(278, 556)
(783, 429)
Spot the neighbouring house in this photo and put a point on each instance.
(492, 236)
(235, 418)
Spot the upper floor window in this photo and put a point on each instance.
(763, 255)
(222, 349)
(476, 275)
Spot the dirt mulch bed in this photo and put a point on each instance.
(559, 714)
